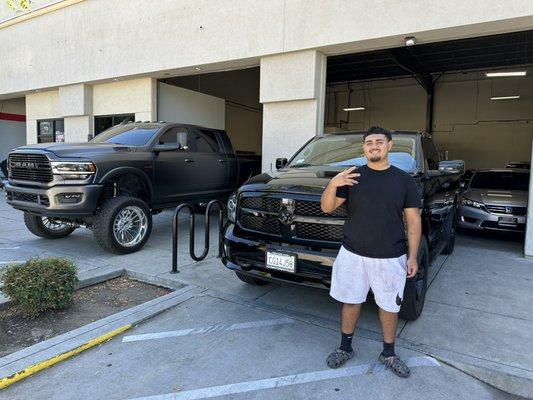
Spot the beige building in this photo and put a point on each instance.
(273, 73)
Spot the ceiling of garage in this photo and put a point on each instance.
(486, 52)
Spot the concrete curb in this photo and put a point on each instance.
(86, 278)
(23, 363)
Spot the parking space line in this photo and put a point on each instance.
(10, 248)
(12, 262)
(288, 380)
(207, 329)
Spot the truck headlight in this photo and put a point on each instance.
(471, 203)
(232, 207)
(73, 170)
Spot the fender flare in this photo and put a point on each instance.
(129, 171)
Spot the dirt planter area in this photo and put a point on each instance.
(90, 304)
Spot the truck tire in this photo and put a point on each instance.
(449, 233)
(415, 289)
(250, 280)
(122, 225)
(46, 227)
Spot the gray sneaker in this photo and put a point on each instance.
(396, 364)
(338, 358)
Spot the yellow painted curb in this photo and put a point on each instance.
(9, 380)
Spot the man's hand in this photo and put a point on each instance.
(412, 267)
(345, 178)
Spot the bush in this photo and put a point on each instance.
(40, 284)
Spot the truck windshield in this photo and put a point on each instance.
(347, 150)
(129, 135)
(500, 180)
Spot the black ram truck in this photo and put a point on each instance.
(114, 183)
(276, 230)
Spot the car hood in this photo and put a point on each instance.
(498, 197)
(305, 180)
(77, 150)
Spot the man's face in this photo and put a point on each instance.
(376, 147)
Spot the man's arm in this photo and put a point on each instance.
(329, 200)
(414, 232)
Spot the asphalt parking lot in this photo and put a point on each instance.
(240, 341)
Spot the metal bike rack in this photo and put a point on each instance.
(191, 232)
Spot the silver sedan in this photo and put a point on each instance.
(495, 199)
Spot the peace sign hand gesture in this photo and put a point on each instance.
(345, 178)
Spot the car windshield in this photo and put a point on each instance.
(129, 135)
(500, 180)
(347, 150)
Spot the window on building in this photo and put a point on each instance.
(50, 131)
(103, 122)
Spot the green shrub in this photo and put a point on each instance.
(40, 284)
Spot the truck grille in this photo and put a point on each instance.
(29, 198)
(30, 167)
(502, 210)
(331, 233)
(262, 214)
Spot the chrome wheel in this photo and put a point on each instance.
(53, 225)
(130, 226)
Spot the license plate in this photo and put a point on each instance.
(507, 221)
(280, 261)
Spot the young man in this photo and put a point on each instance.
(374, 252)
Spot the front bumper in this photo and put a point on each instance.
(44, 201)
(247, 255)
(479, 219)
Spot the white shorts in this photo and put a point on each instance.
(353, 275)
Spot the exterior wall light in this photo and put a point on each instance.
(410, 41)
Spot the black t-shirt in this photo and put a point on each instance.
(374, 226)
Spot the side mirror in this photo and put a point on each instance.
(167, 147)
(280, 162)
(452, 166)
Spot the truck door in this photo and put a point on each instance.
(439, 194)
(212, 174)
(175, 172)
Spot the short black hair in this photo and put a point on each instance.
(377, 130)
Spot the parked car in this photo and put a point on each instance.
(519, 164)
(495, 199)
(278, 214)
(114, 183)
(3, 173)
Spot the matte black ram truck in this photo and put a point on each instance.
(276, 230)
(114, 183)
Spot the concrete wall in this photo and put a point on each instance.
(467, 123)
(12, 130)
(87, 42)
(176, 104)
(244, 113)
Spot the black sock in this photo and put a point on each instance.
(388, 349)
(346, 341)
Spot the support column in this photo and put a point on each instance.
(76, 106)
(292, 91)
(528, 245)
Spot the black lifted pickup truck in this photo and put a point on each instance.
(114, 183)
(276, 230)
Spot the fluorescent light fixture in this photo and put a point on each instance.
(505, 97)
(504, 74)
(354, 109)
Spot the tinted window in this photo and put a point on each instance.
(347, 150)
(431, 153)
(500, 180)
(129, 135)
(205, 141)
(174, 136)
